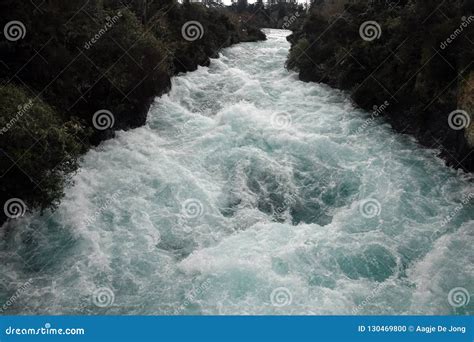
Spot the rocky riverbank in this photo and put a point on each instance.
(74, 72)
(414, 58)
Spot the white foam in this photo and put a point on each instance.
(279, 206)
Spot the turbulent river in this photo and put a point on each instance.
(250, 192)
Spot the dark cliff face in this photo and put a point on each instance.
(90, 68)
(416, 55)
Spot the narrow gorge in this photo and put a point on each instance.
(249, 191)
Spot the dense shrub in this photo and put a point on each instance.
(408, 65)
(80, 57)
(39, 149)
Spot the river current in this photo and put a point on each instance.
(250, 192)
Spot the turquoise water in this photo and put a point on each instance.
(250, 192)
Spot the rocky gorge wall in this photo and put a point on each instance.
(72, 73)
(417, 56)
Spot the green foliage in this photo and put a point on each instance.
(79, 57)
(220, 28)
(410, 64)
(286, 15)
(39, 150)
(410, 37)
(297, 57)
